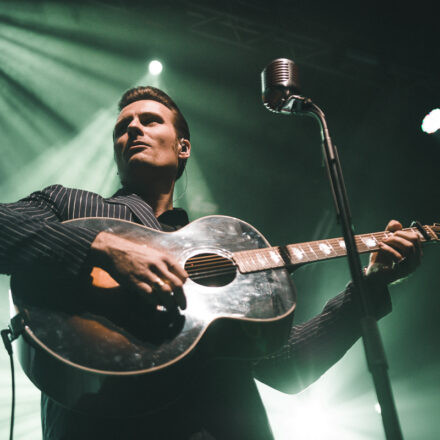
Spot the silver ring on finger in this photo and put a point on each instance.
(158, 283)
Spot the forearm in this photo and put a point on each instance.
(28, 241)
(313, 347)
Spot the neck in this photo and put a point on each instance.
(159, 195)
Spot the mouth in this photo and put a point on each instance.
(136, 146)
(137, 142)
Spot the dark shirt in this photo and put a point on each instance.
(223, 401)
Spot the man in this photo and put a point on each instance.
(151, 146)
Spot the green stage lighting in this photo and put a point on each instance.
(155, 67)
(431, 122)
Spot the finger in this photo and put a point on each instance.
(175, 284)
(180, 298)
(403, 245)
(393, 225)
(156, 280)
(408, 235)
(161, 270)
(165, 299)
(177, 269)
(390, 252)
(414, 238)
(161, 285)
(160, 294)
(144, 291)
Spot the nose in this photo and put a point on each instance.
(134, 127)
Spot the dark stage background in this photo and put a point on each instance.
(372, 68)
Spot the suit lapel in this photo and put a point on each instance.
(138, 207)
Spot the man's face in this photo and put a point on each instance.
(145, 139)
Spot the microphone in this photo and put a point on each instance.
(280, 87)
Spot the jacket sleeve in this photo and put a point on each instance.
(32, 235)
(316, 345)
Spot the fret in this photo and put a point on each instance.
(245, 266)
(324, 248)
(430, 232)
(327, 248)
(334, 252)
(422, 238)
(338, 246)
(369, 241)
(300, 253)
(262, 259)
(253, 260)
(313, 252)
(275, 257)
(270, 258)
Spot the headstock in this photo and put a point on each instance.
(428, 232)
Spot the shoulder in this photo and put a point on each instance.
(60, 197)
(57, 191)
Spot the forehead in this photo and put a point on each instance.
(145, 106)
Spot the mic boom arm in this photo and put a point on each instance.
(281, 94)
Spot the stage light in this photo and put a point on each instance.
(431, 122)
(155, 67)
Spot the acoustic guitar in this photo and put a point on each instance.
(95, 348)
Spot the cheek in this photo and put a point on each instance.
(118, 144)
(117, 152)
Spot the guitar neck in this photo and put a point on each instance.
(313, 251)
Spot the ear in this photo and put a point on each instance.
(184, 148)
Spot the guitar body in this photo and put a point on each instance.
(95, 348)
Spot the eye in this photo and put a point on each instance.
(150, 119)
(120, 129)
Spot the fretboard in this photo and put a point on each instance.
(296, 254)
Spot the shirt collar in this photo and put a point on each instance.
(174, 218)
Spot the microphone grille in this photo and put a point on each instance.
(279, 80)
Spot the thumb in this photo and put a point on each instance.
(393, 226)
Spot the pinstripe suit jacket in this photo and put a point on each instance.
(226, 401)
(31, 233)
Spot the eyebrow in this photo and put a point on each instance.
(130, 118)
(139, 115)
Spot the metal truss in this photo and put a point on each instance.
(254, 32)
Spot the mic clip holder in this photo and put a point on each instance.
(294, 104)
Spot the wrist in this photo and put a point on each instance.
(99, 249)
(380, 272)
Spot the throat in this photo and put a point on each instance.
(160, 198)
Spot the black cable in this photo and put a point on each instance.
(7, 342)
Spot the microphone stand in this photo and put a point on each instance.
(374, 351)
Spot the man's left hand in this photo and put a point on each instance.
(399, 254)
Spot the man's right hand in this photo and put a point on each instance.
(149, 272)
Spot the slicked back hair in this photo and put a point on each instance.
(153, 94)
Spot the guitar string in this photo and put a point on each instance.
(210, 274)
(215, 262)
(221, 262)
(209, 268)
(213, 267)
(313, 244)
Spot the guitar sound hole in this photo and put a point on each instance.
(210, 270)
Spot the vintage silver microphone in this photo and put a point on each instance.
(281, 94)
(280, 87)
